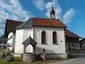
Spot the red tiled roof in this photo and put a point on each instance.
(47, 22)
(71, 34)
(11, 24)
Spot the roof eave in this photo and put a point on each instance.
(49, 26)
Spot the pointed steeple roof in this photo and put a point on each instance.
(52, 12)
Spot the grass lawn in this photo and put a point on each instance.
(19, 61)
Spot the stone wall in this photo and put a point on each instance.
(28, 57)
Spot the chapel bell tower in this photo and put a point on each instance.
(52, 13)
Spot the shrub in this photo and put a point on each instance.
(2, 55)
(7, 53)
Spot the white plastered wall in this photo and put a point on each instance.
(35, 33)
(29, 49)
(11, 38)
(50, 47)
(27, 33)
(21, 36)
(18, 41)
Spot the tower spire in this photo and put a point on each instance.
(52, 13)
(52, 7)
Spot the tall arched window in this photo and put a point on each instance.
(54, 37)
(43, 37)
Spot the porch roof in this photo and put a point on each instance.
(29, 41)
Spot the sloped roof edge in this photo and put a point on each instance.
(29, 40)
(71, 34)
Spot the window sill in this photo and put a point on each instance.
(55, 44)
(45, 44)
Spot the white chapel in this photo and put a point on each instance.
(38, 34)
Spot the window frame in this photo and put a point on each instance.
(54, 37)
(43, 37)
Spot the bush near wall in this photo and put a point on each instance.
(4, 53)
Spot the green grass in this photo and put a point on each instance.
(19, 61)
(16, 61)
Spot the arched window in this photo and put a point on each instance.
(54, 37)
(43, 37)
